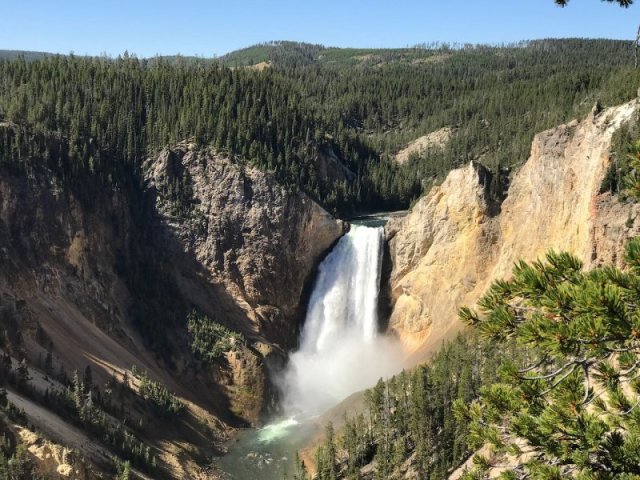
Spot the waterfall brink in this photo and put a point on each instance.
(340, 350)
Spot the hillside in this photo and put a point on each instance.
(344, 108)
(26, 54)
(147, 320)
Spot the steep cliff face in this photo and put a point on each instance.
(57, 272)
(78, 276)
(439, 251)
(451, 245)
(251, 236)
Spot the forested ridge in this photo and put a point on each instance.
(361, 105)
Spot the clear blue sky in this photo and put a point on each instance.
(208, 27)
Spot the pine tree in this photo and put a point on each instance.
(23, 373)
(300, 472)
(48, 363)
(125, 471)
(331, 465)
(569, 404)
(87, 379)
(77, 389)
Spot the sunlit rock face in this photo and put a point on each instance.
(453, 243)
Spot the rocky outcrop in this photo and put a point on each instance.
(440, 252)
(249, 234)
(330, 169)
(452, 245)
(436, 140)
(52, 460)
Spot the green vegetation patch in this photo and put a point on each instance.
(363, 105)
(411, 416)
(165, 402)
(209, 339)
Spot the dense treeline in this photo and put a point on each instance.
(131, 107)
(410, 416)
(362, 105)
(496, 98)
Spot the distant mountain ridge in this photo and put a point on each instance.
(291, 53)
(288, 52)
(27, 54)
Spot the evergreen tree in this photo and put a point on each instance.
(326, 459)
(124, 471)
(87, 379)
(300, 472)
(568, 407)
(23, 373)
(48, 363)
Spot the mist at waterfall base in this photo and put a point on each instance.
(340, 350)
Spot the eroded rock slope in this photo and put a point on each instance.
(99, 279)
(251, 236)
(454, 243)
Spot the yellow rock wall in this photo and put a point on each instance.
(452, 245)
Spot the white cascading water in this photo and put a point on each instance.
(340, 353)
(340, 350)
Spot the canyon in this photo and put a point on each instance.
(79, 276)
(96, 283)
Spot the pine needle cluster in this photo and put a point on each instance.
(568, 407)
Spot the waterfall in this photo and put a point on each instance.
(340, 349)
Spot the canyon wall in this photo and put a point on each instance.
(106, 280)
(455, 241)
(246, 233)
